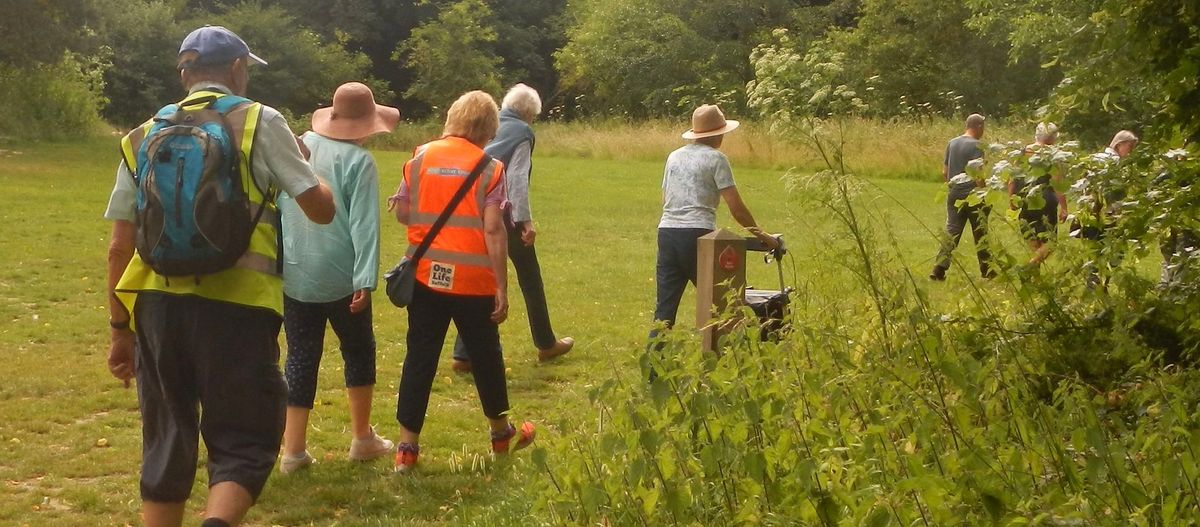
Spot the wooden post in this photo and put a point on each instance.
(720, 268)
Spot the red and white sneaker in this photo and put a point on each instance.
(502, 442)
(406, 456)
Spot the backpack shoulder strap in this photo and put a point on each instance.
(132, 142)
(227, 103)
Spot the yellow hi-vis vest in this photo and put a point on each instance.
(255, 280)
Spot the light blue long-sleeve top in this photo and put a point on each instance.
(324, 263)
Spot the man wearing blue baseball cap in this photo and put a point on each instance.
(194, 281)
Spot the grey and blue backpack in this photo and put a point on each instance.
(192, 210)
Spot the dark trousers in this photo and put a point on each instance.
(304, 325)
(1176, 252)
(676, 267)
(529, 277)
(429, 316)
(212, 369)
(957, 216)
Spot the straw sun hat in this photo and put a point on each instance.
(708, 121)
(354, 114)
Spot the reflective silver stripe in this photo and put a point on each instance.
(425, 218)
(257, 262)
(453, 172)
(414, 178)
(269, 217)
(440, 255)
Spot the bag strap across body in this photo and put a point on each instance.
(454, 201)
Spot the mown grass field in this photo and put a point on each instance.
(70, 435)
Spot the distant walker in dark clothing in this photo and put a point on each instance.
(513, 146)
(959, 152)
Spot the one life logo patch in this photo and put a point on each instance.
(441, 276)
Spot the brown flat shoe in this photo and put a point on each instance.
(559, 348)
(461, 366)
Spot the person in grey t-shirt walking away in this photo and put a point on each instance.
(960, 151)
(696, 178)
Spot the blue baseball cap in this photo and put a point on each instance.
(217, 45)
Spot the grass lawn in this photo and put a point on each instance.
(69, 436)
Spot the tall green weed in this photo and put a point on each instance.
(1041, 398)
(879, 409)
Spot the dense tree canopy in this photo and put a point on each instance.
(452, 54)
(1107, 63)
(37, 31)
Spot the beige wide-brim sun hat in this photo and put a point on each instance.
(709, 121)
(354, 114)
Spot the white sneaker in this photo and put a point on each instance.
(291, 463)
(370, 448)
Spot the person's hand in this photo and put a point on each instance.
(765, 238)
(1062, 214)
(528, 233)
(500, 313)
(360, 301)
(770, 241)
(120, 355)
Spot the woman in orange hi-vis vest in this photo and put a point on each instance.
(462, 278)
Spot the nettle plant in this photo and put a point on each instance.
(882, 408)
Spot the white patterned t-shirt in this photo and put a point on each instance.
(692, 183)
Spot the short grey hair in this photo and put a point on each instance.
(975, 121)
(523, 100)
(1124, 136)
(1045, 132)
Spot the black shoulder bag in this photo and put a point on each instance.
(402, 279)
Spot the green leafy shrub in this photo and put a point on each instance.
(1036, 400)
(880, 410)
(51, 101)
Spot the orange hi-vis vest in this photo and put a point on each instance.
(457, 261)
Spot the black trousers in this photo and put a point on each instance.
(429, 317)
(957, 217)
(206, 368)
(529, 277)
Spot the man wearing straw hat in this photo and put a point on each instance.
(697, 177)
(330, 270)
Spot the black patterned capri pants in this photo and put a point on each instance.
(304, 324)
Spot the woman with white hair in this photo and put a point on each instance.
(1040, 205)
(513, 146)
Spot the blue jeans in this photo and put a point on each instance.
(675, 268)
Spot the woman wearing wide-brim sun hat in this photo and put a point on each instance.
(330, 270)
(697, 177)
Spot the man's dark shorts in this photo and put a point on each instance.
(210, 368)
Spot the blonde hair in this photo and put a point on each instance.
(1045, 132)
(523, 100)
(474, 116)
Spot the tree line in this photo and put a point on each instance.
(636, 58)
